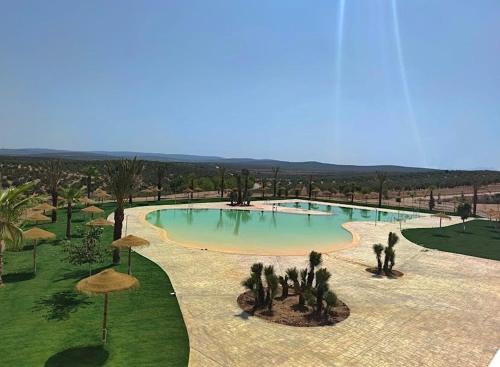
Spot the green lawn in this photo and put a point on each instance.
(481, 238)
(44, 322)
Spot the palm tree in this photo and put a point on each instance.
(89, 172)
(272, 285)
(54, 171)
(331, 300)
(381, 178)
(322, 277)
(378, 248)
(275, 179)
(475, 188)
(70, 195)
(390, 253)
(314, 260)
(284, 285)
(222, 176)
(161, 172)
(293, 275)
(13, 203)
(121, 175)
(309, 191)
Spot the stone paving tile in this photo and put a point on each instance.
(445, 310)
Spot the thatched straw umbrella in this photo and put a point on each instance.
(44, 207)
(37, 217)
(148, 192)
(36, 234)
(86, 201)
(92, 210)
(101, 195)
(129, 242)
(100, 222)
(189, 192)
(441, 216)
(105, 282)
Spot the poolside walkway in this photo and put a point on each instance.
(445, 311)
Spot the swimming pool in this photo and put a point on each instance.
(263, 232)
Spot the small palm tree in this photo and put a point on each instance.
(272, 285)
(284, 285)
(378, 248)
(293, 275)
(70, 195)
(322, 277)
(13, 203)
(390, 254)
(331, 300)
(314, 261)
(381, 178)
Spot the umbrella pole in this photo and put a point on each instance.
(34, 256)
(129, 261)
(105, 319)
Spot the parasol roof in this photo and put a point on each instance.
(85, 200)
(130, 241)
(107, 281)
(37, 217)
(100, 222)
(92, 210)
(441, 215)
(44, 206)
(36, 233)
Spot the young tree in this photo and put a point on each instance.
(161, 172)
(432, 201)
(331, 301)
(88, 251)
(121, 175)
(13, 204)
(54, 170)
(310, 187)
(464, 211)
(390, 253)
(272, 286)
(321, 287)
(70, 195)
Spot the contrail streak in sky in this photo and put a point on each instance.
(406, 90)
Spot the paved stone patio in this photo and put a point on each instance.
(445, 311)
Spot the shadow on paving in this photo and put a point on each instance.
(89, 356)
(60, 305)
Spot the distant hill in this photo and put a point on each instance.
(262, 164)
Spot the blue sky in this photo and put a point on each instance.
(261, 79)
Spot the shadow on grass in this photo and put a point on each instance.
(18, 277)
(60, 305)
(89, 356)
(441, 235)
(81, 273)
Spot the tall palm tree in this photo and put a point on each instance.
(275, 170)
(263, 182)
(381, 178)
(54, 169)
(121, 175)
(89, 173)
(222, 176)
(475, 189)
(245, 173)
(310, 187)
(314, 260)
(70, 195)
(13, 203)
(378, 248)
(161, 172)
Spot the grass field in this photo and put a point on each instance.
(481, 238)
(44, 322)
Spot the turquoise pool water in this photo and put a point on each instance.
(255, 232)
